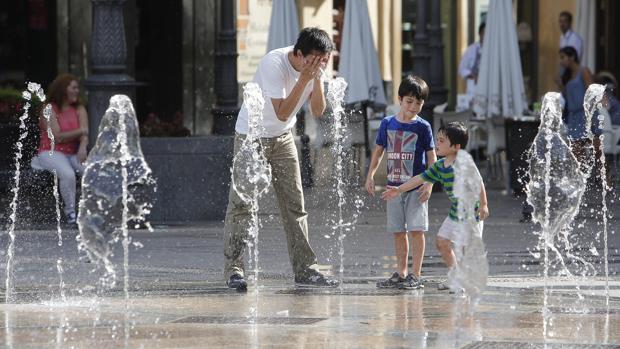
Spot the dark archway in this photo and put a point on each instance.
(608, 46)
(28, 47)
(158, 58)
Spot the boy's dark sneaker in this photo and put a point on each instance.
(71, 219)
(84, 258)
(459, 291)
(442, 286)
(526, 218)
(313, 278)
(392, 282)
(411, 283)
(237, 282)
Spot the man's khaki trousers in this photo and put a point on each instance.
(281, 154)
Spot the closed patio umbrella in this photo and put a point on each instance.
(359, 64)
(499, 89)
(283, 25)
(586, 27)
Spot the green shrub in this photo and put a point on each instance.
(12, 103)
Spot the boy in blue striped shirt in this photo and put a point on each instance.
(450, 139)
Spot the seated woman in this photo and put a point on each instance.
(68, 123)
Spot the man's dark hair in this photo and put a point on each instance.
(413, 86)
(482, 26)
(313, 39)
(456, 132)
(568, 16)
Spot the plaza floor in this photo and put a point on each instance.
(358, 315)
(177, 298)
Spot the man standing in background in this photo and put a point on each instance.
(569, 37)
(470, 64)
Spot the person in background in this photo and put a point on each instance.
(613, 104)
(470, 63)
(575, 82)
(569, 37)
(69, 126)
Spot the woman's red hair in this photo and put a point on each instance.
(57, 91)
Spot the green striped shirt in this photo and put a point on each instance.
(438, 173)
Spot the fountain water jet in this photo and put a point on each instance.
(335, 96)
(116, 186)
(47, 112)
(32, 90)
(251, 174)
(472, 267)
(555, 179)
(593, 104)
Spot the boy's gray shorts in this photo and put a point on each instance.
(406, 213)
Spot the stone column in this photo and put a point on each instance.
(438, 90)
(421, 54)
(226, 85)
(108, 56)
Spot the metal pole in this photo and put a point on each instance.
(421, 54)
(438, 90)
(109, 61)
(226, 85)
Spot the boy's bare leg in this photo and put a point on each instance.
(445, 248)
(401, 247)
(418, 243)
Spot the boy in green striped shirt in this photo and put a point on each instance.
(450, 139)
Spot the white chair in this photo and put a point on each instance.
(322, 144)
(463, 101)
(496, 143)
(477, 138)
(478, 134)
(323, 139)
(440, 119)
(440, 108)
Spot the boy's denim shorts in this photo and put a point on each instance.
(406, 213)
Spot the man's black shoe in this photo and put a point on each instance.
(237, 282)
(314, 278)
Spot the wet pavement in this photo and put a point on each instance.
(356, 316)
(177, 297)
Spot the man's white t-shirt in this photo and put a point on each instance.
(570, 38)
(470, 64)
(276, 77)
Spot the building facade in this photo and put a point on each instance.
(171, 44)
